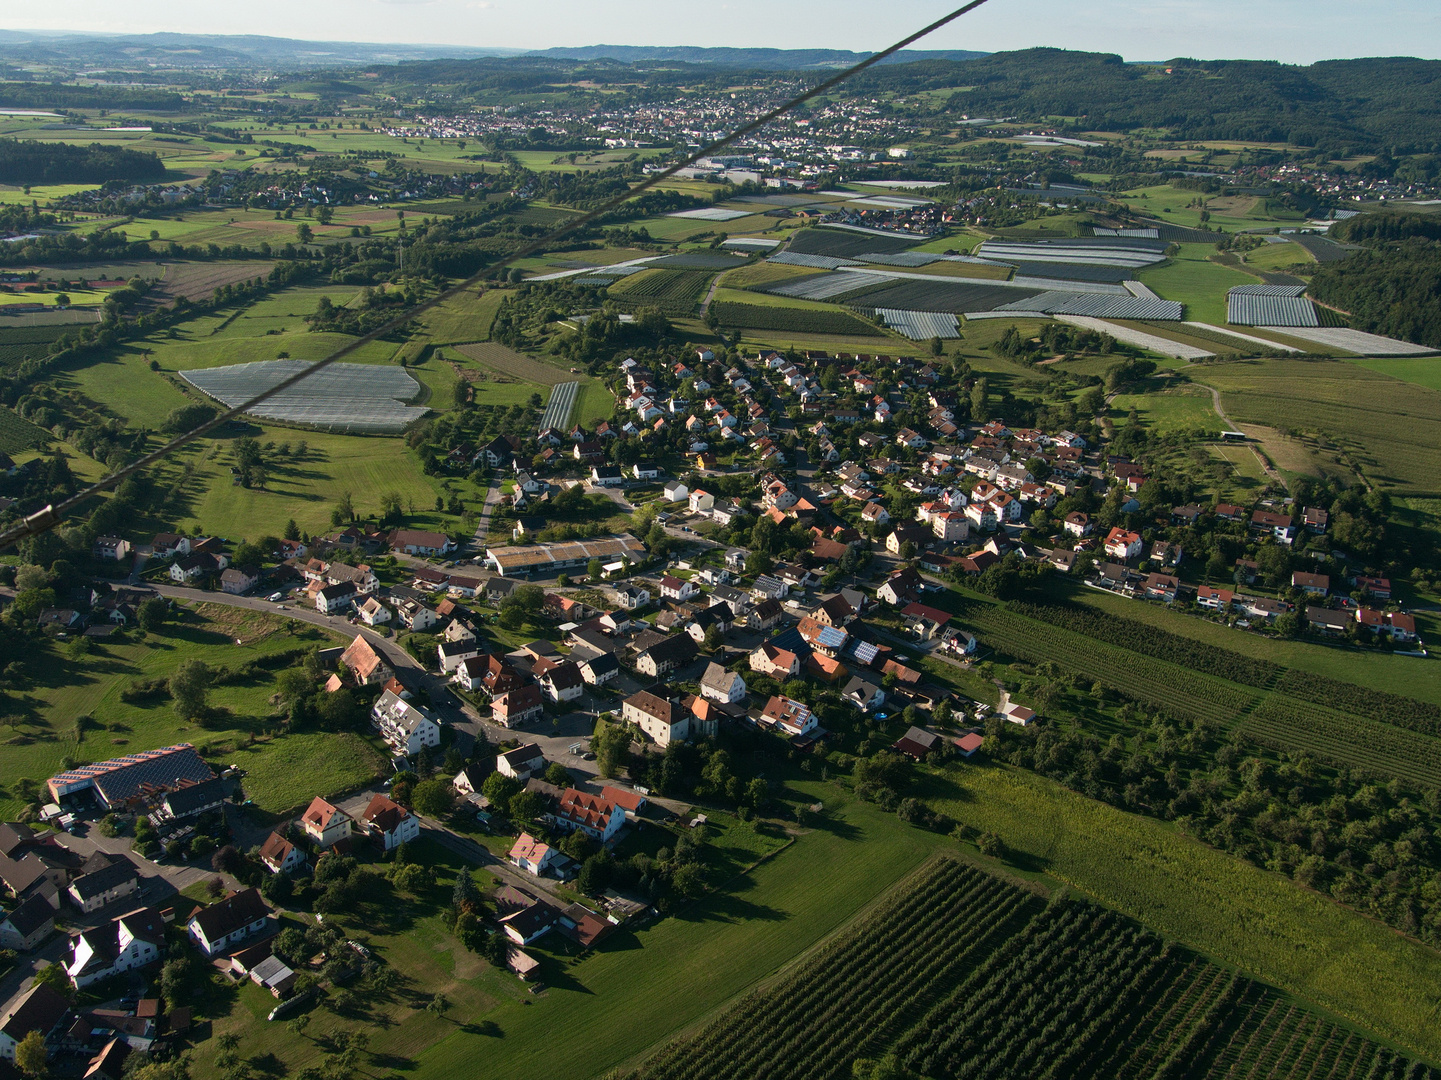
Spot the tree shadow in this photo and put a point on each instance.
(487, 1028)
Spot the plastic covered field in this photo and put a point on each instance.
(355, 398)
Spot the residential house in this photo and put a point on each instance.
(374, 613)
(335, 598)
(1078, 524)
(420, 542)
(1314, 584)
(519, 706)
(27, 924)
(599, 670)
(1018, 714)
(103, 880)
(41, 1009)
(388, 823)
(110, 547)
(1208, 596)
(902, 587)
(563, 682)
(133, 940)
(279, 855)
(875, 514)
(606, 476)
(1122, 544)
(863, 694)
(917, 743)
(679, 589)
(532, 855)
(701, 502)
(416, 616)
(721, 685)
(521, 763)
(765, 615)
(778, 663)
(365, 664)
(662, 721)
(324, 824)
(633, 596)
(405, 727)
(239, 580)
(666, 656)
(791, 717)
(1161, 587)
(594, 815)
(228, 922)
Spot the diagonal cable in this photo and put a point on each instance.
(46, 519)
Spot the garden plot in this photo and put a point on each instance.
(343, 398)
(921, 325)
(711, 213)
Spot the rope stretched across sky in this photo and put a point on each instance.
(52, 515)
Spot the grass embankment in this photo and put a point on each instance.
(1233, 912)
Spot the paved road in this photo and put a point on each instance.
(482, 525)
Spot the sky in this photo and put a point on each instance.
(1294, 31)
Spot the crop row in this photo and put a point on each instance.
(806, 1025)
(1394, 709)
(792, 320)
(1378, 749)
(1160, 644)
(1155, 682)
(17, 433)
(668, 286)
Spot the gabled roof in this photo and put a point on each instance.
(650, 704)
(276, 849)
(718, 678)
(320, 814)
(582, 808)
(40, 1010)
(231, 914)
(384, 814)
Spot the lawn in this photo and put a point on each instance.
(42, 717)
(463, 318)
(366, 466)
(1170, 408)
(1196, 282)
(692, 963)
(1233, 912)
(1280, 258)
(284, 774)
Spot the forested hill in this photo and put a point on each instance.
(1335, 105)
(1394, 286)
(747, 59)
(60, 163)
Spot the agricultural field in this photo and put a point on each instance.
(18, 434)
(1195, 281)
(42, 718)
(1420, 371)
(791, 319)
(845, 243)
(1384, 429)
(990, 982)
(1286, 257)
(1170, 408)
(676, 291)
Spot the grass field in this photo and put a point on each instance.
(689, 964)
(1421, 371)
(1395, 674)
(1196, 282)
(1170, 408)
(1279, 257)
(42, 718)
(464, 318)
(284, 774)
(1224, 908)
(1388, 430)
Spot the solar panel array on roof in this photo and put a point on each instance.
(863, 651)
(341, 398)
(831, 637)
(791, 641)
(1269, 309)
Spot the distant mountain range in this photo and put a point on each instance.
(76, 50)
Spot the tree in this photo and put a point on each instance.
(292, 530)
(304, 233)
(593, 568)
(189, 689)
(30, 1055)
(499, 789)
(151, 614)
(464, 896)
(432, 799)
